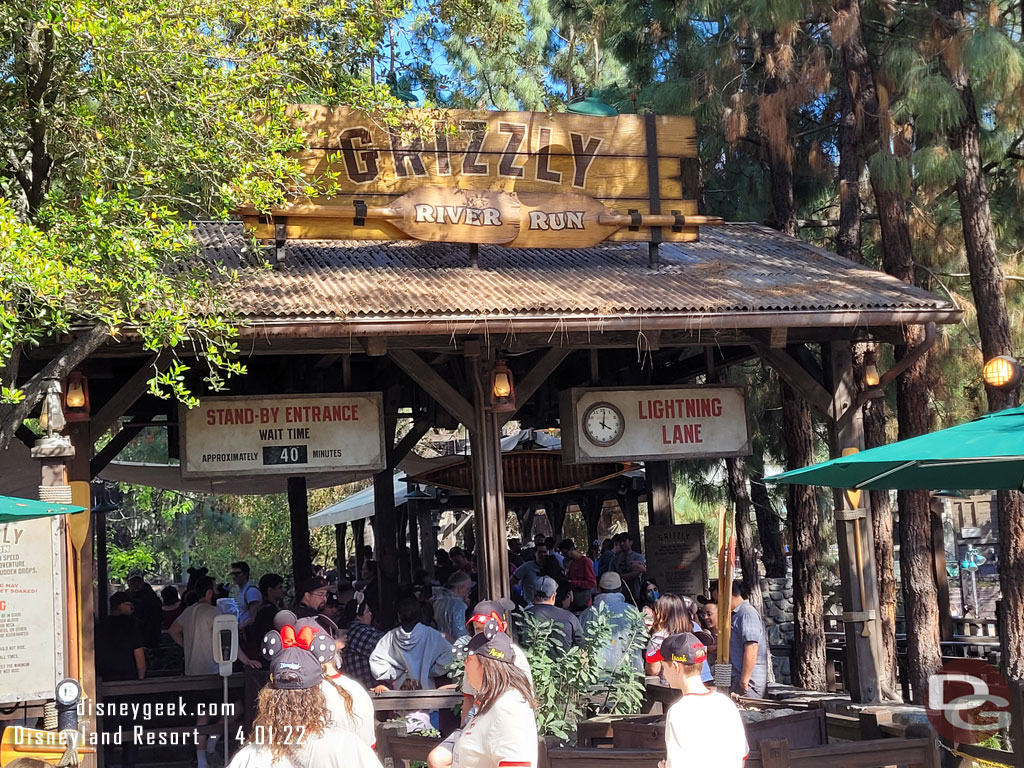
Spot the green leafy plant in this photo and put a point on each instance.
(574, 683)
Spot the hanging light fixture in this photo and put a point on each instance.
(76, 399)
(871, 377)
(1002, 372)
(51, 415)
(593, 105)
(417, 494)
(503, 393)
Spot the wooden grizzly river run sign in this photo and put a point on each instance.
(521, 179)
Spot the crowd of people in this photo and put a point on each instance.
(439, 620)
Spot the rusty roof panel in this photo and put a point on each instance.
(735, 268)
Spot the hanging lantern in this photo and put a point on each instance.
(871, 377)
(1002, 372)
(503, 394)
(76, 399)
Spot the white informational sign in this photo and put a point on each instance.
(283, 435)
(31, 610)
(653, 423)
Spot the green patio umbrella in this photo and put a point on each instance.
(13, 510)
(985, 453)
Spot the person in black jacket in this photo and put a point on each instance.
(148, 609)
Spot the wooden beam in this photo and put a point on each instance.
(855, 539)
(797, 377)
(533, 381)
(385, 521)
(298, 513)
(659, 493)
(107, 416)
(376, 346)
(118, 443)
(433, 384)
(408, 442)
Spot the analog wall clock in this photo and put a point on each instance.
(603, 424)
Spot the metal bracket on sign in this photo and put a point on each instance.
(636, 220)
(678, 226)
(360, 217)
(853, 616)
(849, 515)
(280, 239)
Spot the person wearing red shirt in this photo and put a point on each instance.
(579, 570)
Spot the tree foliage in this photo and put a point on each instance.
(121, 120)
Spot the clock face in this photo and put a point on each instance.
(68, 691)
(603, 424)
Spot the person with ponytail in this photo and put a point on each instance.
(502, 733)
(350, 704)
(293, 725)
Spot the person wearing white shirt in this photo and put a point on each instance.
(723, 740)
(350, 705)
(294, 725)
(503, 731)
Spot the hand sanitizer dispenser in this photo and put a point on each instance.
(225, 642)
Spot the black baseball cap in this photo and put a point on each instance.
(684, 648)
(311, 585)
(492, 644)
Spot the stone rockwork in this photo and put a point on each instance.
(777, 612)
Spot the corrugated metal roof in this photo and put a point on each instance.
(736, 268)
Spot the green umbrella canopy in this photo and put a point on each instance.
(14, 510)
(985, 453)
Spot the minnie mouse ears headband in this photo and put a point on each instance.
(295, 650)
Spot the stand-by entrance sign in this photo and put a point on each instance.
(283, 435)
(520, 179)
(654, 423)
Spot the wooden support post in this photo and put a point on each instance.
(102, 565)
(359, 540)
(385, 519)
(941, 576)
(863, 670)
(402, 545)
(82, 537)
(414, 540)
(340, 532)
(488, 491)
(556, 514)
(428, 539)
(385, 534)
(659, 493)
(298, 513)
(630, 505)
(591, 509)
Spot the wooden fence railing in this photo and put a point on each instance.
(404, 749)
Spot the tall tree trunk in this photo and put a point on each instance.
(920, 591)
(736, 479)
(848, 245)
(808, 659)
(773, 555)
(885, 561)
(987, 288)
(781, 160)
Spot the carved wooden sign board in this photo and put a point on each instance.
(521, 179)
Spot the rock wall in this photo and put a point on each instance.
(778, 623)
